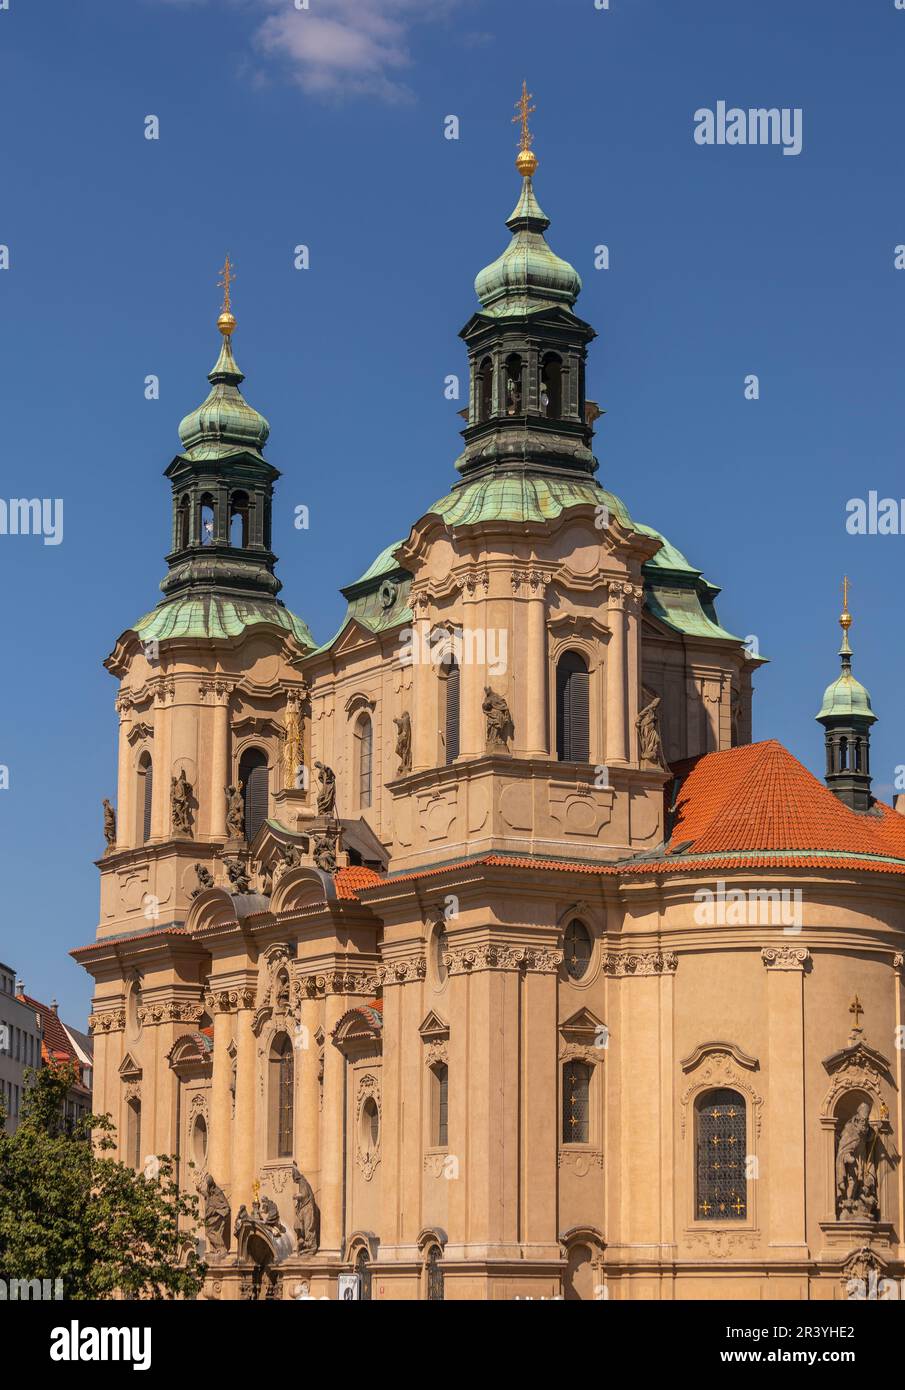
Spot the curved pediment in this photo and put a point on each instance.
(302, 887)
(213, 907)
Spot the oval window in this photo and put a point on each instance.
(577, 946)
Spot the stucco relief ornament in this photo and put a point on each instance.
(856, 1169)
(642, 963)
(110, 1021)
(181, 804)
(326, 797)
(500, 728)
(404, 743)
(109, 826)
(785, 957)
(235, 813)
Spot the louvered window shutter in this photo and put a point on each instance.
(452, 713)
(579, 716)
(572, 709)
(253, 773)
(149, 797)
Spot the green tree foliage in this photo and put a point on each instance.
(70, 1211)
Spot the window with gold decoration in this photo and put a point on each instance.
(720, 1177)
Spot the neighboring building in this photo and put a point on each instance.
(562, 984)
(61, 1045)
(20, 1046)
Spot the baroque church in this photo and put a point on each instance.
(478, 953)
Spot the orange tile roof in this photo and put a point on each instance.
(760, 797)
(56, 1045)
(353, 877)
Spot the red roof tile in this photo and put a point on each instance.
(355, 876)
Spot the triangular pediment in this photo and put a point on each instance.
(582, 1025)
(434, 1027)
(129, 1068)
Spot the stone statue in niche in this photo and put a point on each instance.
(235, 813)
(238, 876)
(181, 804)
(205, 879)
(500, 728)
(326, 797)
(514, 395)
(305, 1207)
(216, 1216)
(404, 743)
(109, 825)
(856, 1169)
(649, 741)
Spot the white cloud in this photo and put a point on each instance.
(340, 48)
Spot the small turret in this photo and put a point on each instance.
(846, 715)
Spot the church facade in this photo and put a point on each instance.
(478, 953)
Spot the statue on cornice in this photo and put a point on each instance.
(293, 751)
(235, 813)
(325, 852)
(500, 728)
(216, 1215)
(181, 804)
(205, 879)
(305, 1207)
(109, 825)
(648, 727)
(404, 742)
(326, 797)
(856, 1169)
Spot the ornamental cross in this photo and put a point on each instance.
(856, 1008)
(228, 271)
(845, 594)
(524, 110)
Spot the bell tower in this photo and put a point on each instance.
(222, 486)
(846, 715)
(527, 349)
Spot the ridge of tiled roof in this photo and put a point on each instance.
(56, 1045)
(759, 797)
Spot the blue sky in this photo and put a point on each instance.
(326, 128)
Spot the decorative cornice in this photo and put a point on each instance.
(107, 1021)
(228, 1001)
(171, 1011)
(641, 963)
(329, 982)
(499, 957)
(785, 957)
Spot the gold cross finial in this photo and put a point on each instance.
(845, 617)
(226, 322)
(527, 159)
(856, 1008)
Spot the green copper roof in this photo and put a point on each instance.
(218, 615)
(225, 423)
(528, 276)
(379, 599)
(524, 497)
(846, 697)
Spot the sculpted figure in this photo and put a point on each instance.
(235, 813)
(325, 853)
(270, 1216)
(514, 394)
(238, 876)
(648, 726)
(404, 742)
(181, 804)
(326, 797)
(499, 720)
(856, 1172)
(205, 879)
(216, 1215)
(109, 825)
(306, 1234)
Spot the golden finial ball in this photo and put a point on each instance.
(527, 163)
(226, 323)
(845, 620)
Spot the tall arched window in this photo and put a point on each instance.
(484, 389)
(255, 781)
(440, 1105)
(207, 520)
(145, 794)
(183, 516)
(364, 737)
(551, 387)
(133, 1133)
(721, 1189)
(449, 675)
(576, 1110)
(363, 1270)
(281, 1097)
(572, 709)
(238, 520)
(435, 1290)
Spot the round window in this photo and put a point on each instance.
(370, 1125)
(199, 1141)
(577, 945)
(133, 1007)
